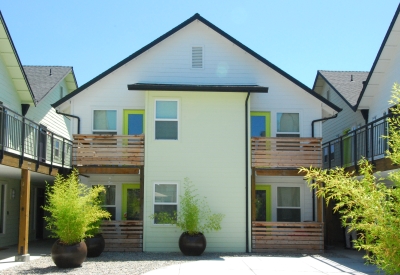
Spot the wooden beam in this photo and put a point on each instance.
(24, 212)
(28, 164)
(107, 170)
(278, 172)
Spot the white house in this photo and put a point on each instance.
(205, 107)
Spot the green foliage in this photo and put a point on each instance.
(194, 214)
(367, 204)
(74, 209)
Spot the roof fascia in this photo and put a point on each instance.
(17, 58)
(389, 31)
(198, 88)
(336, 91)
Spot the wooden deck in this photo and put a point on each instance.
(123, 236)
(281, 152)
(293, 237)
(109, 150)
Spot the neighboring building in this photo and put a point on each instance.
(197, 103)
(34, 141)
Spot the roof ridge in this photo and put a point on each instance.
(343, 71)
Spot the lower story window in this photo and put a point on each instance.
(288, 204)
(108, 200)
(165, 199)
(2, 207)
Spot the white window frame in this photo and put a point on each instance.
(105, 131)
(301, 194)
(288, 112)
(117, 202)
(202, 56)
(167, 119)
(165, 203)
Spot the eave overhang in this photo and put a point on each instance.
(197, 88)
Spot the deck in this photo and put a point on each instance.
(123, 236)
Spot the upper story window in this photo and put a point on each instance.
(61, 92)
(260, 122)
(166, 119)
(197, 57)
(287, 125)
(104, 122)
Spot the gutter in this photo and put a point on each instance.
(247, 171)
(312, 135)
(78, 118)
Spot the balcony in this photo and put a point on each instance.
(108, 150)
(22, 139)
(366, 141)
(284, 152)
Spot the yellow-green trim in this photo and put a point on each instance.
(125, 187)
(125, 119)
(268, 203)
(267, 121)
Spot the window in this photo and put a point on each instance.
(166, 119)
(260, 122)
(56, 148)
(104, 122)
(165, 198)
(287, 125)
(108, 200)
(2, 208)
(197, 57)
(288, 207)
(61, 92)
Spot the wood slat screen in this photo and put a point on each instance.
(283, 152)
(108, 150)
(293, 237)
(123, 235)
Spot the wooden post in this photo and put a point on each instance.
(253, 194)
(320, 204)
(24, 216)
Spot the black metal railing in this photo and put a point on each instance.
(21, 136)
(366, 141)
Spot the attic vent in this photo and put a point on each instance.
(197, 57)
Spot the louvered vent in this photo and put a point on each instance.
(197, 57)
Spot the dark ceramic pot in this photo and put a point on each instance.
(192, 245)
(95, 245)
(68, 256)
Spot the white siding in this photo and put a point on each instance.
(346, 119)
(44, 114)
(8, 94)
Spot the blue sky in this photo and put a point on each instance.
(300, 37)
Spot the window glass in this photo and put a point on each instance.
(287, 122)
(288, 208)
(108, 200)
(165, 199)
(104, 120)
(166, 119)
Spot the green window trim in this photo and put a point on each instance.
(125, 187)
(267, 116)
(268, 202)
(125, 119)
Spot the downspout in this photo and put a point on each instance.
(247, 171)
(312, 135)
(78, 118)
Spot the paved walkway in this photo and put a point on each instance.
(336, 261)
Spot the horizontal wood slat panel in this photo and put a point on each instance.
(97, 150)
(282, 152)
(122, 235)
(298, 237)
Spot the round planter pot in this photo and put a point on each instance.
(95, 245)
(68, 256)
(192, 245)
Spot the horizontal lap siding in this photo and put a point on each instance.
(8, 94)
(211, 152)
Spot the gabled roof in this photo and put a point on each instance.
(389, 46)
(347, 84)
(43, 79)
(13, 64)
(216, 29)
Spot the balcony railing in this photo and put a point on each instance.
(284, 152)
(108, 150)
(366, 141)
(23, 137)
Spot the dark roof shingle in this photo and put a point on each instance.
(44, 78)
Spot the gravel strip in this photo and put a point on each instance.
(127, 262)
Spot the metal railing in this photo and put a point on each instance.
(366, 141)
(23, 137)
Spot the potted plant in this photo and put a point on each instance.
(94, 241)
(73, 212)
(194, 218)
